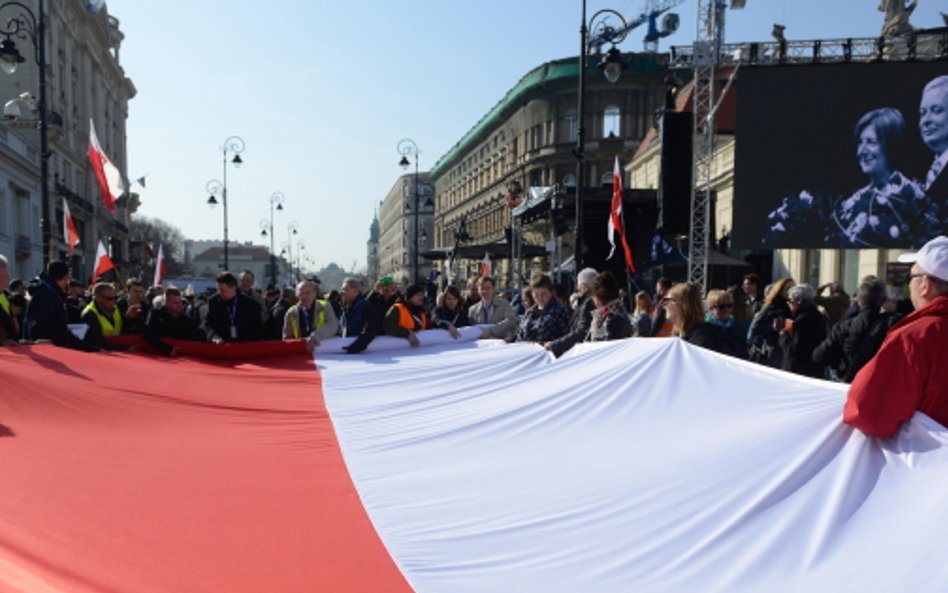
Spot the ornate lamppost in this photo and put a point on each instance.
(407, 148)
(276, 202)
(235, 145)
(33, 26)
(612, 65)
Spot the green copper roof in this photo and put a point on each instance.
(564, 69)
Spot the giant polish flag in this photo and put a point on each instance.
(111, 185)
(636, 465)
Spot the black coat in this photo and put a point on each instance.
(710, 336)
(809, 330)
(442, 317)
(763, 341)
(578, 328)
(45, 317)
(9, 326)
(248, 319)
(162, 324)
(273, 328)
(853, 342)
(362, 319)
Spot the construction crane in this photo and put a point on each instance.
(653, 9)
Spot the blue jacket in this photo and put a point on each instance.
(45, 317)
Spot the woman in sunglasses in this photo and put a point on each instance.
(685, 311)
(721, 313)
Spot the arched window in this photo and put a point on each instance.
(569, 180)
(611, 122)
(606, 179)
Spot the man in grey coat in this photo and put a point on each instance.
(493, 310)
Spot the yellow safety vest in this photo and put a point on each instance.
(318, 322)
(4, 303)
(111, 327)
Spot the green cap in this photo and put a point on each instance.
(387, 280)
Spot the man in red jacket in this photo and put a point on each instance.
(909, 372)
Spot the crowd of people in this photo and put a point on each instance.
(817, 332)
(794, 327)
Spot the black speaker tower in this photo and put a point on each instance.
(674, 190)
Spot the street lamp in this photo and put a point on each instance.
(293, 228)
(407, 148)
(300, 246)
(26, 24)
(276, 199)
(611, 65)
(233, 144)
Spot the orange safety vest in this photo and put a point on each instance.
(407, 320)
(666, 330)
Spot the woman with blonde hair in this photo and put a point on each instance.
(685, 311)
(642, 316)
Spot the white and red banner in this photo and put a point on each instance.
(70, 231)
(636, 465)
(111, 185)
(616, 224)
(103, 263)
(161, 268)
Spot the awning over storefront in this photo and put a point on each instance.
(495, 250)
(538, 198)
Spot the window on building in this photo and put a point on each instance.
(569, 180)
(606, 179)
(570, 126)
(611, 122)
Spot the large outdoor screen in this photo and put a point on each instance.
(841, 156)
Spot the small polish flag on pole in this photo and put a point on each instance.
(109, 177)
(616, 226)
(103, 263)
(70, 232)
(161, 268)
(485, 264)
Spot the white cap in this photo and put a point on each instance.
(932, 258)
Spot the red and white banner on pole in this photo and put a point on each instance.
(485, 267)
(103, 263)
(107, 174)
(70, 232)
(615, 225)
(161, 268)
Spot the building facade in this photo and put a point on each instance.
(372, 249)
(396, 217)
(528, 139)
(85, 81)
(20, 232)
(256, 258)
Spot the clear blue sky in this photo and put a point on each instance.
(322, 92)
